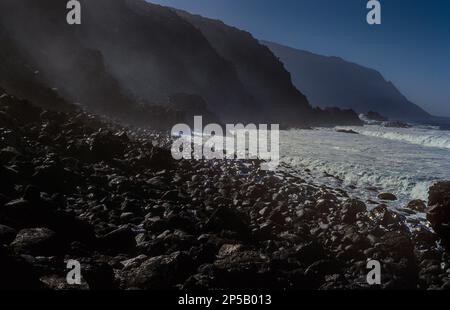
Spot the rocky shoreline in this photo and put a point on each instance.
(79, 187)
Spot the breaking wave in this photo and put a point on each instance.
(419, 136)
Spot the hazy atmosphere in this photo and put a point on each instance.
(225, 152)
(410, 47)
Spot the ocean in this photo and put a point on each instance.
(402, 161)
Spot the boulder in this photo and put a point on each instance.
(387, 196)
(349, 131)
(396, 125)
(160, 272)
(22, 213)
(351, 208)
(438, 212)
(382, 215)
(417, 205)
(38, 242)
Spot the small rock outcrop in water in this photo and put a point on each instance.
(350, 131)
(396, 125)
(417, 205)
(439, 209)
(387, 196)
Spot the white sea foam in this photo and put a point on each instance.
(400, 161)
(419, 136)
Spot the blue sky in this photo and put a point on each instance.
(410, 48)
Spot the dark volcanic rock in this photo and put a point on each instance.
(387, 196)
(350, 131)
(135, 218)
(439, 209)
(24, 214)
(351, 208)
(160, 272)
(37, 241)
(397, 125)
(417, 205)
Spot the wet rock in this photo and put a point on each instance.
(160, 272)
(127, 216)
(37, 241)
(324, 205)
(350, 131)
(243, 270)
(351, 208)
(396, 125)
(229, 249)
(22, 213)
(384, 216)
(59, 283)
(417, 205)
(387, 196)
(240, 259)
(438, 212)
(134, 262)
(254, 191)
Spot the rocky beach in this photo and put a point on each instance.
(75, 186)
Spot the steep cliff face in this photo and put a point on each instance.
(124, 51)
(129, 57)
(22, 79)
(259, 70)
(77, 72)
(154, 53)
(332, 81)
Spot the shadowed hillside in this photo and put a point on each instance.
(259, 70)
(128, 60)
(332, 81)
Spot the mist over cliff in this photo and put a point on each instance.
(142, 62)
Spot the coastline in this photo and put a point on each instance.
(76, 186)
